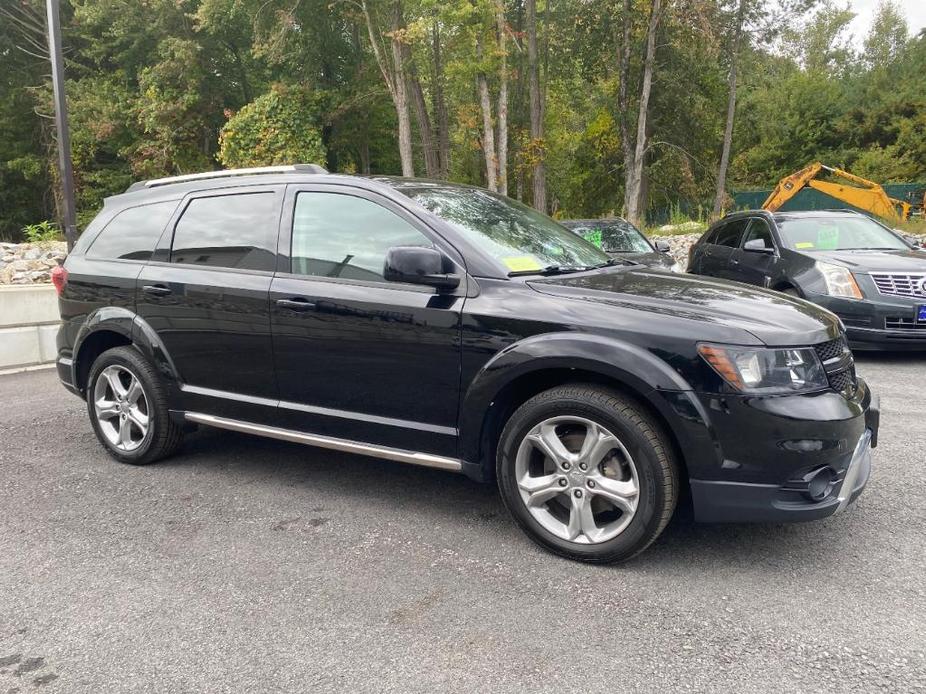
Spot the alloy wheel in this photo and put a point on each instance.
(121, 407)
(577, 479)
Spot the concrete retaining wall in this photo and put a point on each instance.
(28, 325)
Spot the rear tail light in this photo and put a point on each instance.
(59, 278)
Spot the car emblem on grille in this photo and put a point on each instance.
(923, 286)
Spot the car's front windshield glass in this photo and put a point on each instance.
(521, 239)
(616, 236)
(836, 234)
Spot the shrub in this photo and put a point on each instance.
(41, 232)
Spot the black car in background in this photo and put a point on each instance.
(446, 326)
(621, 239)
(865, 273)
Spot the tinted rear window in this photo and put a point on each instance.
(133, 233)
(237, 231)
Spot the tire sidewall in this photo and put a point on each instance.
(132, 361)
(646, 521)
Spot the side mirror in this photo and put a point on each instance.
(663, 246)
(758, 246)
(417, 265)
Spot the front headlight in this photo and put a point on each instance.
(839, 281)
(761, 370)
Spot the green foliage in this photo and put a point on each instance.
(171, 86)
(42, 232)
(279, 127)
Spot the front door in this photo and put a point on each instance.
(358, 357)
(206, 294)
(752, 267)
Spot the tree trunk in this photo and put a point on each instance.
(488, 132)
(439, 106)
(502, 98)
(394, 77)
(634, 188)
(536, 111)
(623, 90)
(425, 130)
(731, 112)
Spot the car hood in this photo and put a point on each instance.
(908, 260)
(772, 318)
(651, 259)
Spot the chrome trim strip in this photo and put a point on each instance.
(324, 411)
(860, 454)
(369, 449)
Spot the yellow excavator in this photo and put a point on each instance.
(863, 194)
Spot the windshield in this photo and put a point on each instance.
(521, 239)
(836, 234)
(615, 236)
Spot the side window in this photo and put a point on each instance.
(759, 230)
(237, 231)
(338, 235)
(730, 234)
(710, 236)
(133, 233)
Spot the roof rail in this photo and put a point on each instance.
(228, 173)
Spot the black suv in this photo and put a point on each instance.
(443, 325)
(869, 276)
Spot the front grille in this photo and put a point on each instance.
(898, 284)
(839, 365)
(903, 323)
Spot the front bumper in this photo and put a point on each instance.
(867, 321)
(768, 450)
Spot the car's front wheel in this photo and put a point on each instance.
(127, 404)
(587, 473)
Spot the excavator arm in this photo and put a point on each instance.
(864, 194)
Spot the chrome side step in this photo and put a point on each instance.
(397, 454)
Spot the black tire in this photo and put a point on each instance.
(643, 438)
(791, 291)
(163, 435)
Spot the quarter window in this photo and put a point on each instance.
(236, 231)
(337, 235)
(133, 233)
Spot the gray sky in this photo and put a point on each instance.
(865, 12)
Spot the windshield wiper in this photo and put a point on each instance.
(548, 270)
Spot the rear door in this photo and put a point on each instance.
(205, 293)
(358, 357)
(753, 267)
(728, 239)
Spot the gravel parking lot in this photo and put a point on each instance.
(253, 565)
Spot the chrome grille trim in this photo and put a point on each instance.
(900, 284)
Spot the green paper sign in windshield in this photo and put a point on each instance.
(593, 236)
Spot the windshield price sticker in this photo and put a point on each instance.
(522, 263)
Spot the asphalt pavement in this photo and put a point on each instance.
(250, 565)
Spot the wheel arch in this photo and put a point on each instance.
(116, 327)
(538, 364)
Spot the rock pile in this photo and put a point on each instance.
(679, 245)
(29, 263)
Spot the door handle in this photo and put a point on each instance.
(734, 261)
(296, 304)
(156, 290)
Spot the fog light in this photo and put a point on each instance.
(820, 483)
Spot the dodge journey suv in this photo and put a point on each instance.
(443, 325)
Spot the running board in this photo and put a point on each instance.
(397, 454)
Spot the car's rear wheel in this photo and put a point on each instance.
(587, 473)
(127, 404)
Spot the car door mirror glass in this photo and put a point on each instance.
(662, 246)
(418, 265)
